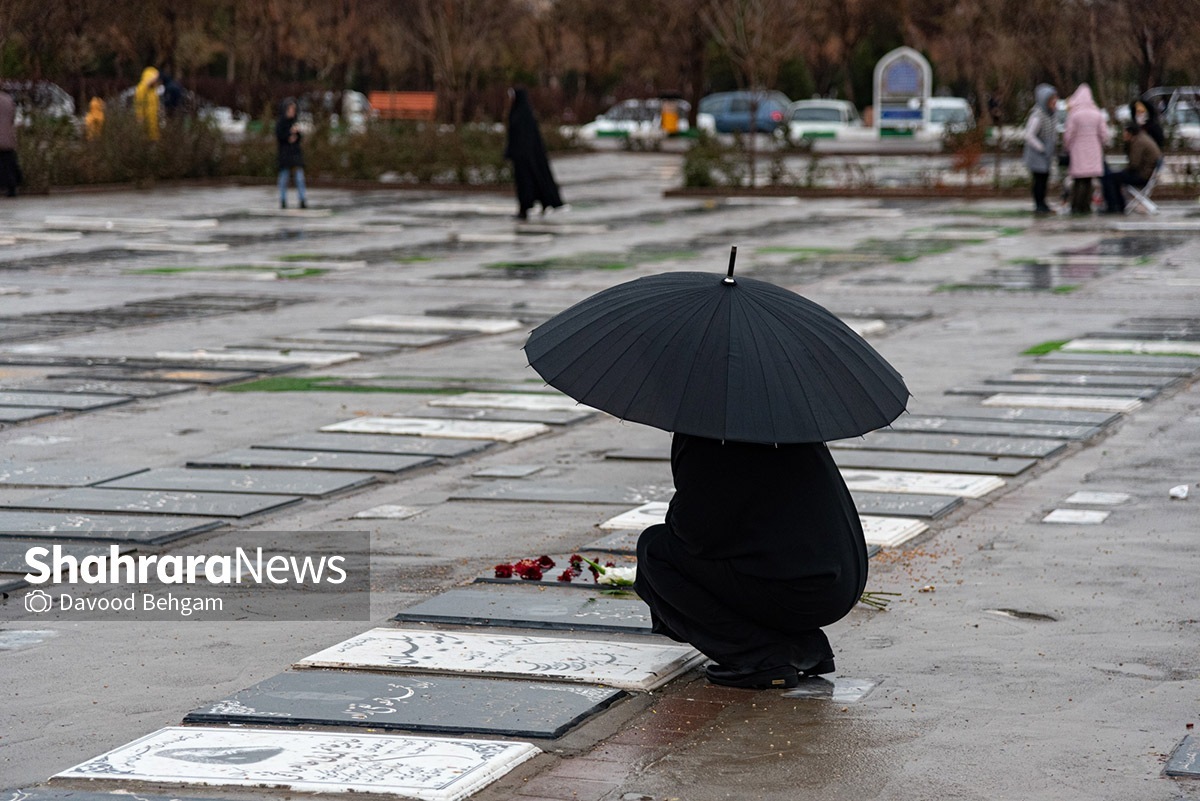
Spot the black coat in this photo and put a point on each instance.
(531, 169)
(290, 155)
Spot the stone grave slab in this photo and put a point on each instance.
(199, 504)
(931, 462)
(644, 516)
(1145, 393)
(377, 443)
(641, 454)
(309, 483)
(511, 400)
(12, 552)
(1185, 759)
(615, 663)
(888, 532)
(166, 374)
(19, 414)
(312, 460)
(70, 401)
(388, 512)
(583, 580)
(904, 504)
(177, 247)
(427, 322)
(286, 345)
(1136, 346)
(1083, 517)
(1098, 498)
(962, 485)
(1080, 417)
(135, 389)
(1093, 404)
(952, 443)
(419, 703)
(59, 474)
(1102, 368)
(353, 338)
(423, 768)
(508, 471)
(625, 542)
(1190, 363)
(56, 794)
(1084, 379)
(530, 608)
(449, 429)
(509, 415)
(317, 358)
(999, 428)
(11, 584)
(145, 529)
(527, 492)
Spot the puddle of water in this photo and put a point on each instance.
(16, 639)
(839, 690)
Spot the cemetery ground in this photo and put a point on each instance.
(183, 369)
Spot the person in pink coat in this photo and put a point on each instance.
(1084, 138)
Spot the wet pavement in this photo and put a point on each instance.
(1022, 659)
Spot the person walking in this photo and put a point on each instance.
(145, 103)
(291, 158)
(1040, 140)
(762, 546)
(1144, 156)
(1084, 139)
(10, 170)
(531, 169)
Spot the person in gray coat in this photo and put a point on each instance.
(10, 172)
(1040, 136)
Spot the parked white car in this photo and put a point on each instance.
(813, 119)
(949, 115)
(634, 117)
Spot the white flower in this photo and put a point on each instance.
(618, 576)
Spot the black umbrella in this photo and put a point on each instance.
(699, 354)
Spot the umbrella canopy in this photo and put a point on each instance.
(699, 354)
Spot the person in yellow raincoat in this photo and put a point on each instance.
(93, 123)
(145, 103)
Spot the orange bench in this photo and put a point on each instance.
(404, 105)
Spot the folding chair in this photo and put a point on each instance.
(1141, 197)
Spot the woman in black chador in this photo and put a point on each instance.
(761, 547)
(535, 182)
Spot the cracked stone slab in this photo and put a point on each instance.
(422, 322)
(378, 444)
(60, 474)
(199, 504)
(310, 483)
(425, 768)
(999, 428)
(1094, 404)
(311, 460)
(424, 703)
(952, 443)
(626, 665)
(931, 462)
(451, 429)
(146, 529)
(530, 608)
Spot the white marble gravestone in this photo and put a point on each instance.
(626, 665)
(1099, 498)
(510, 400)
(963, 485)
(648, 514)
(320, 358)
(424, 322)
(1083, 517)
(1088, 403)
(451, 429)
(888, 532)
(1133, 346)
(432, 769)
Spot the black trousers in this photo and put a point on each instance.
(1040, 180)
(1081, 195)
(742, 622)
(10, 172)
(1114, 198)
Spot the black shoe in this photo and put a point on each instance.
(283, 204)
(776, 678)
(304, 204)
(821, 668)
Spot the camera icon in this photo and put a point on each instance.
(38, 601)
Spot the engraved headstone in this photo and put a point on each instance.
(312, 483)
(1080, 417)
(441, 769)
(354, 339)
(531, 608)
(1098, 498)
(931, 462)
(628, 665)
(1144, 393)
(1084, 379)
(59, 474)
(952, 443)
(165, 374)
(417, 702)
(1103, 368)
(521, 491)
(996, 428)
(1105, 404)
(553, 418)
(388, 512)
(1083, 517)
(311, 460)
(148, 529)
(1190, 363)
(377, 443)
(200, 504)
(508, 471)
(1135, 346)
(1185, 759)
(319, 358)
(135, 389)
(450, 429)
(963, 485)
(417, 322)
(510, 400)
